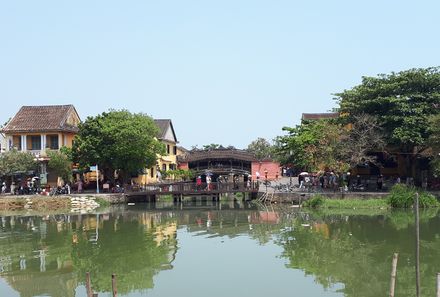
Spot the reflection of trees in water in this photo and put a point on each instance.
(53, 260)
(335, 247)
(130, 250)
(357, 251)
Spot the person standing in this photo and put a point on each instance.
(208, 182)
(379, 182)
(198, 182)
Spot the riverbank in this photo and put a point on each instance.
(74, 202)
(299, 197)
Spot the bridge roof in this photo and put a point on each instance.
(222, 154)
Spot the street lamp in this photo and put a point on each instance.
(265, 176)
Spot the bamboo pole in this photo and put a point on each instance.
(438, 284)
(88, 286)
(114, 289)
(393, 274)
(416, 210)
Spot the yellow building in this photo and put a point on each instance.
(166, 162)
(36, 129)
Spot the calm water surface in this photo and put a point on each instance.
(206, 249)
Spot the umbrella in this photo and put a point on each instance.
(304, 173)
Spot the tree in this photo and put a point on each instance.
(118, 141)
(311, 146)
(359, 139)
(434, 143)
(181, 174)
(60, 164)
(15, 162)
(403, 102)
(261, 148)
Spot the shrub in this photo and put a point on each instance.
(402, 196)
(314, 202)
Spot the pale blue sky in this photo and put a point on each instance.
(224, 71)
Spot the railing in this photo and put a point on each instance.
(190, 187)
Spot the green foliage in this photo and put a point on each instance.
(212, 146)
(181, 174)
(102, 202)
(166, 198)
(60, 164)
(355, 203)
(434, 143)
(15, 162)
(311, 146)
(402, 102)
(402, 196)
(261, 149)
(118, 140)
(314, 202)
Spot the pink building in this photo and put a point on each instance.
(273, 169)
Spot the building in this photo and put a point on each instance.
(319, 116)
(2, 143)
(167, 136)
(228, 163)
(36, 129)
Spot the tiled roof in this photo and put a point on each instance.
(163, 125)
(51, 118)
(320, 116)
(228, 154)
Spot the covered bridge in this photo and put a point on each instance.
(227, 162)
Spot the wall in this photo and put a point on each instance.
(184, 166)
(273, 169)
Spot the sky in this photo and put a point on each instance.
(225, 72)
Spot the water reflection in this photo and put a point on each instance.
(345, 253)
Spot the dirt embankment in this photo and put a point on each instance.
(33, 202)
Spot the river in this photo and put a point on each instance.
(216, 250)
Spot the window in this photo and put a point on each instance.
(53, 145)
(36, 142)
(172, 166)
(152, 173)
(175, 150)
(164, 167)
(168, 149)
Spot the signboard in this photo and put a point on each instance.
(92, 168)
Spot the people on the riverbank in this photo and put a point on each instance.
(198, 183)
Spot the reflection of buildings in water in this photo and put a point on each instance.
(323, 229)
(54, 284)
(165, 232)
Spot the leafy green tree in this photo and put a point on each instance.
(311, 146)
(402, 102)
(434, 143)
(14, 162)
(60, 164)
(118, 141)
(261, 148)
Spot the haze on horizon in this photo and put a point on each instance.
(225, 72)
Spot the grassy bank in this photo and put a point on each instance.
(400, 196)
(355, 203)
(319, 201)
